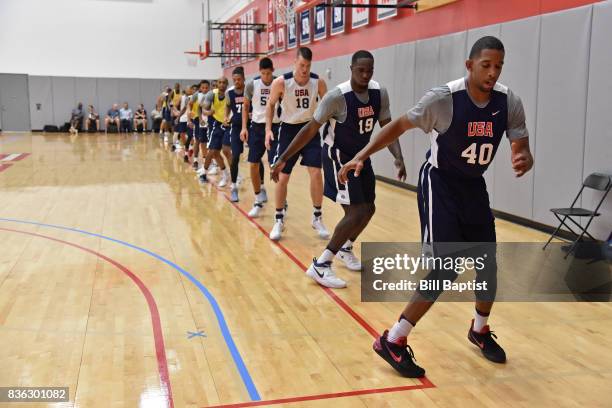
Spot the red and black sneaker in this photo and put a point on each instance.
(487, 345)
(399, 355)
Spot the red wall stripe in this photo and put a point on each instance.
(409, 26)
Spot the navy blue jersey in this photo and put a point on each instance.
(236, 101)
(354, 132)
(469, 145)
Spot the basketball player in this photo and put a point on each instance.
(469, 117)
(298, 93)
(198, 126)
(352, 108)
(235, 103)
(183, 120)
(164, 103)
(256, 98)
(214, 106)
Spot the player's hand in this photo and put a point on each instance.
(244, 135)
(401, 169)
(276, 169)
(269, 137)
(355, 165)
(522, 162)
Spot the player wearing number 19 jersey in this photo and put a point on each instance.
(467, 119)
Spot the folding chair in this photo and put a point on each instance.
(595, 181)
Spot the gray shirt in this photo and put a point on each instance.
(333, 105)
(435, 112)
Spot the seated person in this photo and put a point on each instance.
(140, 118)
(76, 119)
(157, 118)
(112, 116)
(93, 120)
(126, 116)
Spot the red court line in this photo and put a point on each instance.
(426, 384)
(4, 166)
(23, 156)
(362, 322)
(160, 350)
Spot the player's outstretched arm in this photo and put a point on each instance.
(278, 85)
(522, 160)
(304, 136)
(246, 106)
(384, 138)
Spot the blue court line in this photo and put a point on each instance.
(229, 341)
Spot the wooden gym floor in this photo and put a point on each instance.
(125, 280)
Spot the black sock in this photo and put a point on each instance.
(234, 168)
(261, 171)
(317, 212)
(280, 213)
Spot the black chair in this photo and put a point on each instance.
(595, 181)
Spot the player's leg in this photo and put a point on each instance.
(311, 158)
(439, 223)
(237, 147)
(226, 152)
(257, 148)
(286, 135)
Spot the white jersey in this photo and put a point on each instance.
(259, 93)
(299, 102)
(184, 117)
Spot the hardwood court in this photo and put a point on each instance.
(127, 326)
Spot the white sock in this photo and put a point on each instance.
(233, 186)
(348, 244)
(326, 256)
(479, 321)
(400, 329)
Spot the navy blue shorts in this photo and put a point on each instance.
(166, 115)
(357, 190)
(457, 210)
(236, 143)
(257, 142)
(453, 209)
(311, 153)
(227, 141)
(181, 127)
(215, 136)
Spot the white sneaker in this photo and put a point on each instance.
(347, 256)
(277, 230)
(324, 275)
(224, 178)
(254, 213)
(262, 197)
(200, 171)
(165, 139)
(213, 170)
(317, 224)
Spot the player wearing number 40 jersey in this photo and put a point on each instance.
(352, 108)
(299, 92)
(468, 118)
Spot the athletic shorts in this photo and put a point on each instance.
(311, 153)
(257, 142)
(357, 190)
(215, 136)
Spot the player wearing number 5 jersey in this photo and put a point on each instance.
(256, 96)
(467, 119)
(299, 92)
